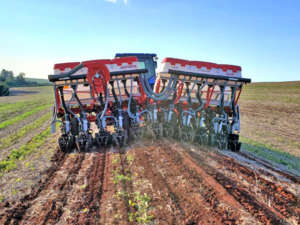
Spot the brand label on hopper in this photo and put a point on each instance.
(128, 67)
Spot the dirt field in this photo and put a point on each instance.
(25, 93)
(271, 113)
(185, 184)
(148, 182)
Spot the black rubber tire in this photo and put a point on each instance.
(62, 147)
(74, 126)
(126, 121)
(71, 143)
(90, 142)
(239, 147)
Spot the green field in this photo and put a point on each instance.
(25, 115)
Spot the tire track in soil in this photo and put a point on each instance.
(108, 205)
(269, 166)
(75, 194)
(197, 207)
(14, 211)
(283, 201)
(92, 195)
(47, 209)
(232, 165)
(242, 195)
(160, 186)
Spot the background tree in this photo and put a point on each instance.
(3, 74)
(20, 79)
(10, 76)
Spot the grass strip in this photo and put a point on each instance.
(11, 162)
(22, 117)
(270, 153)
(6, 142)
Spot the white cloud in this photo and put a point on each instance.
(115, 1)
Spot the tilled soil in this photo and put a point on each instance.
(186, 184)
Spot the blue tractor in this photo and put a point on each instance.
(146, 61)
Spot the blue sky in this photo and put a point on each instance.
(261, 36)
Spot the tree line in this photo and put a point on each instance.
(11, 80)
(8, 78)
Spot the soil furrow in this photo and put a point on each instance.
(166, 198)
(272, 188)
(16, 211)
(205, 203)
(242, 195)
(47, 209)
(108, 204)
(74, 196)
(179, 182)
(92, 194)
(285, 202)
(268, 165)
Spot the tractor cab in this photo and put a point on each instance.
(146, 61)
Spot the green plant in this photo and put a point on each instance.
(142, 204)
(1, 198)
(129, 159)
(14, 191)
(11, 139)
(27, 165)
(10, 163)
(22, 117)
(119, 177)
(118, 216)
(122, 194)
(116, 159)
(130, 217)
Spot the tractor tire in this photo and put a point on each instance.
(74, 126)
(63, 148)
(127, 124)
(126, 121)
(71, 142)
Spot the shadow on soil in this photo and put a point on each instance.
(13, 92)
